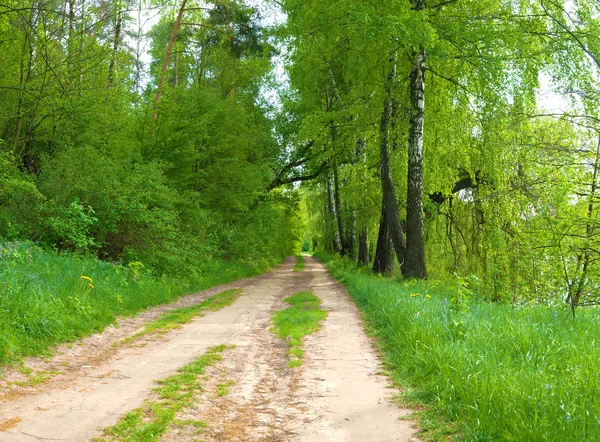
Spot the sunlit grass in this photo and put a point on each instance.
(177, 317)
(293, 323)
(47, 299)
(498, 373)
(149, 422)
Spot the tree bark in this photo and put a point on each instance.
(363, 247)
(338, 214)
(414, 264)
(384, 257)
(390, 200)
(25, 71)
(71, 35)
(583, 260)
(112, 69)
(335, 239)
(167, 60)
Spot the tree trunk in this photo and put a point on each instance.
(112, 69)
(25, 68)
(82, 29)
(384, 257)
(350, 233)
(338, 214)
(71, 35)
(363, 247)
(414, 264)
(166, 61)
(577, 286)
(390, 200)
(335, 239)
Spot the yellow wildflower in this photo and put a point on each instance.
(414, 295)
(87, 278)
(90, 286)
(428, 296)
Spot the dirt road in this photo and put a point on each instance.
(336, 395)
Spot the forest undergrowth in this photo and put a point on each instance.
(47, 299)
(484, 371)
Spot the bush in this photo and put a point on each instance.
(19, 201)
(119, 209)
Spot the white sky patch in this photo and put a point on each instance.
(548, 99)
(269, 11)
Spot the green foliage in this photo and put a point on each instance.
(19, 199)
(303, 318)
(498, 373)
(91, 164)
(70, 227)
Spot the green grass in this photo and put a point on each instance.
(177, 317)
(293, 323)
(45, 301)
(149, 422)
(490, 372)
(299, 263)
(223, 389)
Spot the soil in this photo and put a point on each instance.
(251, 395)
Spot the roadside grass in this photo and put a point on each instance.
(177, 317)
(299, 263)
(47, 299)
(149, 422)
(293, 323)
(485, 372)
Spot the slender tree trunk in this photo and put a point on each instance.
(81, 42)
(384, 256)
(166, 61)
(338, 213)
(112, 69)
(414, 263)
(390, 200)
(71, 35)
(351, 234)
(578, 284)
(335, 239)
(363, 247)
(25, 67)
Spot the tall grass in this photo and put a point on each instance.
(524, 374)
(46, 299)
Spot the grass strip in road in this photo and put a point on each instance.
(149, 422)
(299, 263)
(176, 318)
(293, 323)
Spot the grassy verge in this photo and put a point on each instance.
(492, 372)
(177, 317)
(293, 323)
(47, 299)
(149, 422)
(299, 263)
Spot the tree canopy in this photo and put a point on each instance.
(407, 134)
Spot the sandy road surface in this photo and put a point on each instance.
(335, 396)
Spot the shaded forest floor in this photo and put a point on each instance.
(248, 392)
